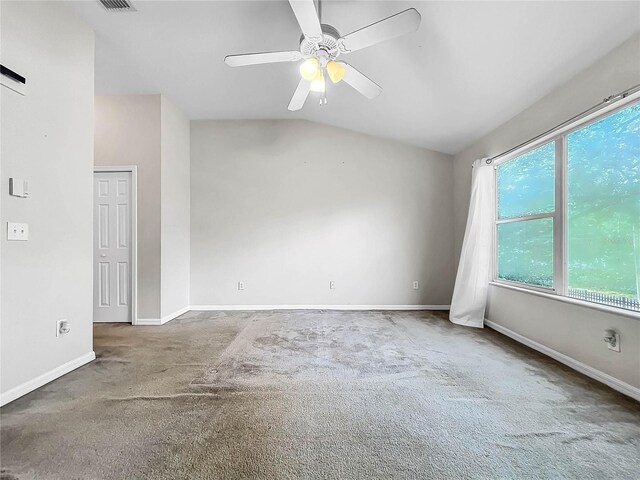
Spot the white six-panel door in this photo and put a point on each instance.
(112, 247)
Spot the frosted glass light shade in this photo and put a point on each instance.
(335, 71)
(318, 84)
(309, 68)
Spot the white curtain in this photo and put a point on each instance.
(472, 281)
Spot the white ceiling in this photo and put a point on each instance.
(470, 67)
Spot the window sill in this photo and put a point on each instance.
(559, 298)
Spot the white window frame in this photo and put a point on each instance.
(557, 235)
(560, 262)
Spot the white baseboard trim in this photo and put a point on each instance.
(317, 307)
(583, 368)
(252, 308)
(45, 378)
(163, 320)
(148, 321)
(175, 314)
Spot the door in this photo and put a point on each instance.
(112, 247)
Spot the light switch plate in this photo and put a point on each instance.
(17, 231)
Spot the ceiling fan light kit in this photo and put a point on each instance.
(320, 46)
(336, 71)
(317, 84)
(309, 68)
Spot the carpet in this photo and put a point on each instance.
(318, 395)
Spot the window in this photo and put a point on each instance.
(568, 213)
(526, 207)
(603, 214)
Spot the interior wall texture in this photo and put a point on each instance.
(570, 329)
(151, 132)
(288, 206)
(175, 222)
(127, 132)
(47, 140)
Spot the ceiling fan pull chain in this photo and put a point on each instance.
(323, 98)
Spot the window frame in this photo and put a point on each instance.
(524, 218)
(560, 220)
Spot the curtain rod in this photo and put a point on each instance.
(607, 101)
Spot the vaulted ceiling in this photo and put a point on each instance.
(469, 68)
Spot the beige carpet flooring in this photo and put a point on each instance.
(318, 395)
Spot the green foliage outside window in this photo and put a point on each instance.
(602, 212)
(603, 186)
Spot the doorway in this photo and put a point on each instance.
(114, 240)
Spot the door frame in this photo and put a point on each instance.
(133, 169)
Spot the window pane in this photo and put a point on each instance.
(604, 210)
(525, 252)
(526, 184)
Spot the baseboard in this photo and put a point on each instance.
(317, 307)
(148, 321)
(583, 368)
(163, 320)
(251, 308)
(45, 378)
(175, 314)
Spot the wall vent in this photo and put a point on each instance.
(117, 5)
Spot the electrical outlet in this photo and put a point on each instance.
(332, 285)
(612, 339)
(62, 327)
(240, 285)
(416, 285)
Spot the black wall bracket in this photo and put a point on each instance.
(12, 80)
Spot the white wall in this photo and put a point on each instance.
(152, 133)
(127, 132)
(288, 206)
(569, 329)
(47, 139)
(175, 207)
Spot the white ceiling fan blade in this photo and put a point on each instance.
(300, 95)
(360, 82)
(386, 29)
(258, 58)
(305, 12)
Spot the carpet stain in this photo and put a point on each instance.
(318, 395)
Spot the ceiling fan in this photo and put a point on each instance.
(321, 45)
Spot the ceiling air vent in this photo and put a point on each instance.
(117, 5)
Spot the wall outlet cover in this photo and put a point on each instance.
(62, 327)
(615, 346)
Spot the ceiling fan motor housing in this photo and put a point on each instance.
(326, 49)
